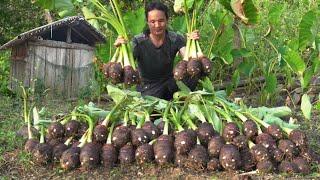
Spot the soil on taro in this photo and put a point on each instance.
(16, 164)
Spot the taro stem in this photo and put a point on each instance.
(166, 120)
(113, 110)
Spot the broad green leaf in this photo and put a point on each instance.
(117, 94)
(46, 4)
(178, 24)
(183, 87)
(89, 15)
(135, 21)
(307, 76)
(306, 106)
(207, 85)
(307, 30)
(295, 62)
(251, 12)
(179, 5)
(226, 4)
(63, 4)
(243, 52)
(270, 119)
(196, 111)
(247, 66)
(271, 83)
(275, 13)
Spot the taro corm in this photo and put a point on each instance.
(230, 131)
(126, 154)
(198, 157)
(144, 153)
(71, 128)
(215, 145)
(148, 126)
(265, 167)
(42, 153)
(121, 135)
(214, 165)
(163, 147)
(109, 153)
(288, 148)
(205, 132)
(288, 167)
(60, 148)
(230, 157)
(138, 135)
(180, 70)
(250, 129)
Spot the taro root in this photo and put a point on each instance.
(310, 155)
(83, 128)
(139, 137)
(184, 141)
(151, 130)
(288, 148)
(115, 73)
(205, 132)
(100, 133)
(248, 161)
(277, 155)
(128, 75)
(30, 145)
(198, 158)
(298, 137)
(275, 131)
(180, 159)
(54, 142)
(206, 65)
(56, 130)
(288, 167)
(70, 158)
(160, 126)
(240, 141)
(230, 157)
(58, 150)
(250, 129)
(180, 70)
(126, 154)
(230, 131)
(302, 165)
(214, 165)
(265, 167)
(194, 67)
(163, 150)
(71, 128)
(42, 153)
(105, 69)
(89, 155)
(120, 136)
(109, 156)
(260, 153)
(144, 154)
(214, 146)
(266, 140)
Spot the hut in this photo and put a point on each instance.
(57, 57)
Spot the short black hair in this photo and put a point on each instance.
(158, 6)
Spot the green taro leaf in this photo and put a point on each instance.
(271, 83)
(243, 52)
(226, 4)
(270, 119)
(295, 62)
(250, 12)
(135, 21)
(178, 24)
(89, 15)
(275, 13)
(246, 67)
(307, 76)
(207, 85)
(307, 30)
(306, 106)
(183, 87)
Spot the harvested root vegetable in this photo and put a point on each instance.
(180, 70)
(277, 155)
(260, 153)
(42, 153)
(180, 160)
(230, 157)
(71, 128)
(139, 137)
(240, 141)
(288, 167)
(116, 73)
(214, 165)
(126, 154)
(194, 67)
(250, 129)
(109, 156)
(144, 154)
(151, 130)
(206, 65)
(302, 165)
(90, 156)
(205, 132)
(265, 167)
(70, 158)
(230, 131)
(58, 150)
(198, 158)
(184, 141)
(288, 148)
(266, 140)
(56, 130)
(30, 145)
(214, 146)
(275, 131)
(121, 136)
(248, 161)
(298, 137)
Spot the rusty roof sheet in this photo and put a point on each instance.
(77, 23)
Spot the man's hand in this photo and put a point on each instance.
(120, 40)
(194, 35)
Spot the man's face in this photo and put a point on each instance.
(157, 22)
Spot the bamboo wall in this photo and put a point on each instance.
(63, 68)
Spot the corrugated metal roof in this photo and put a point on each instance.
(84, 32)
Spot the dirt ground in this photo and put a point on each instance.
(16, 164)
